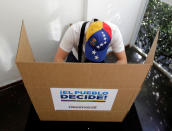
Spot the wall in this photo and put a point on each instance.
(45, 22)
(120, 12)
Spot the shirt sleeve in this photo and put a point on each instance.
(117, 41)
(68, 40)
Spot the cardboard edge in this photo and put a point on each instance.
(151, 54)
(24, 42)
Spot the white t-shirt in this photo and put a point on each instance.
(71, 38)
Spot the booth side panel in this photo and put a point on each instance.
(24, 52)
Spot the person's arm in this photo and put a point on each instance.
(121, 56)
(65, 46)
(118, 46)
(60, 55)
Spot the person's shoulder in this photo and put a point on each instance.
(77, 26)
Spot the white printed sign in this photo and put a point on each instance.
(83, 99)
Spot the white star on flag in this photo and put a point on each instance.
(98, 47)
(102, 32)
(101, 44)
(105, 42)
(104, 35)
(105, 38)
(94, 52)
(96, 57)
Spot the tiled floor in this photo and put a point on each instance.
(153, 105)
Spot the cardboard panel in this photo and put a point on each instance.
(150, 57)
(40, 77)
(88, 116)
(84, 75)
(24, 53)
(44, 101)
(45, 108)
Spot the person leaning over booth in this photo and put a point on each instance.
(90, 41)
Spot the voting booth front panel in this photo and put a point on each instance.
(80, 91)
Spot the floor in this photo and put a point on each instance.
(152, 110)
(14, 107)
(154, 102)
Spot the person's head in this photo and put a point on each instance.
(98, 37)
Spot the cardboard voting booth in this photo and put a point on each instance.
(80, 91)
